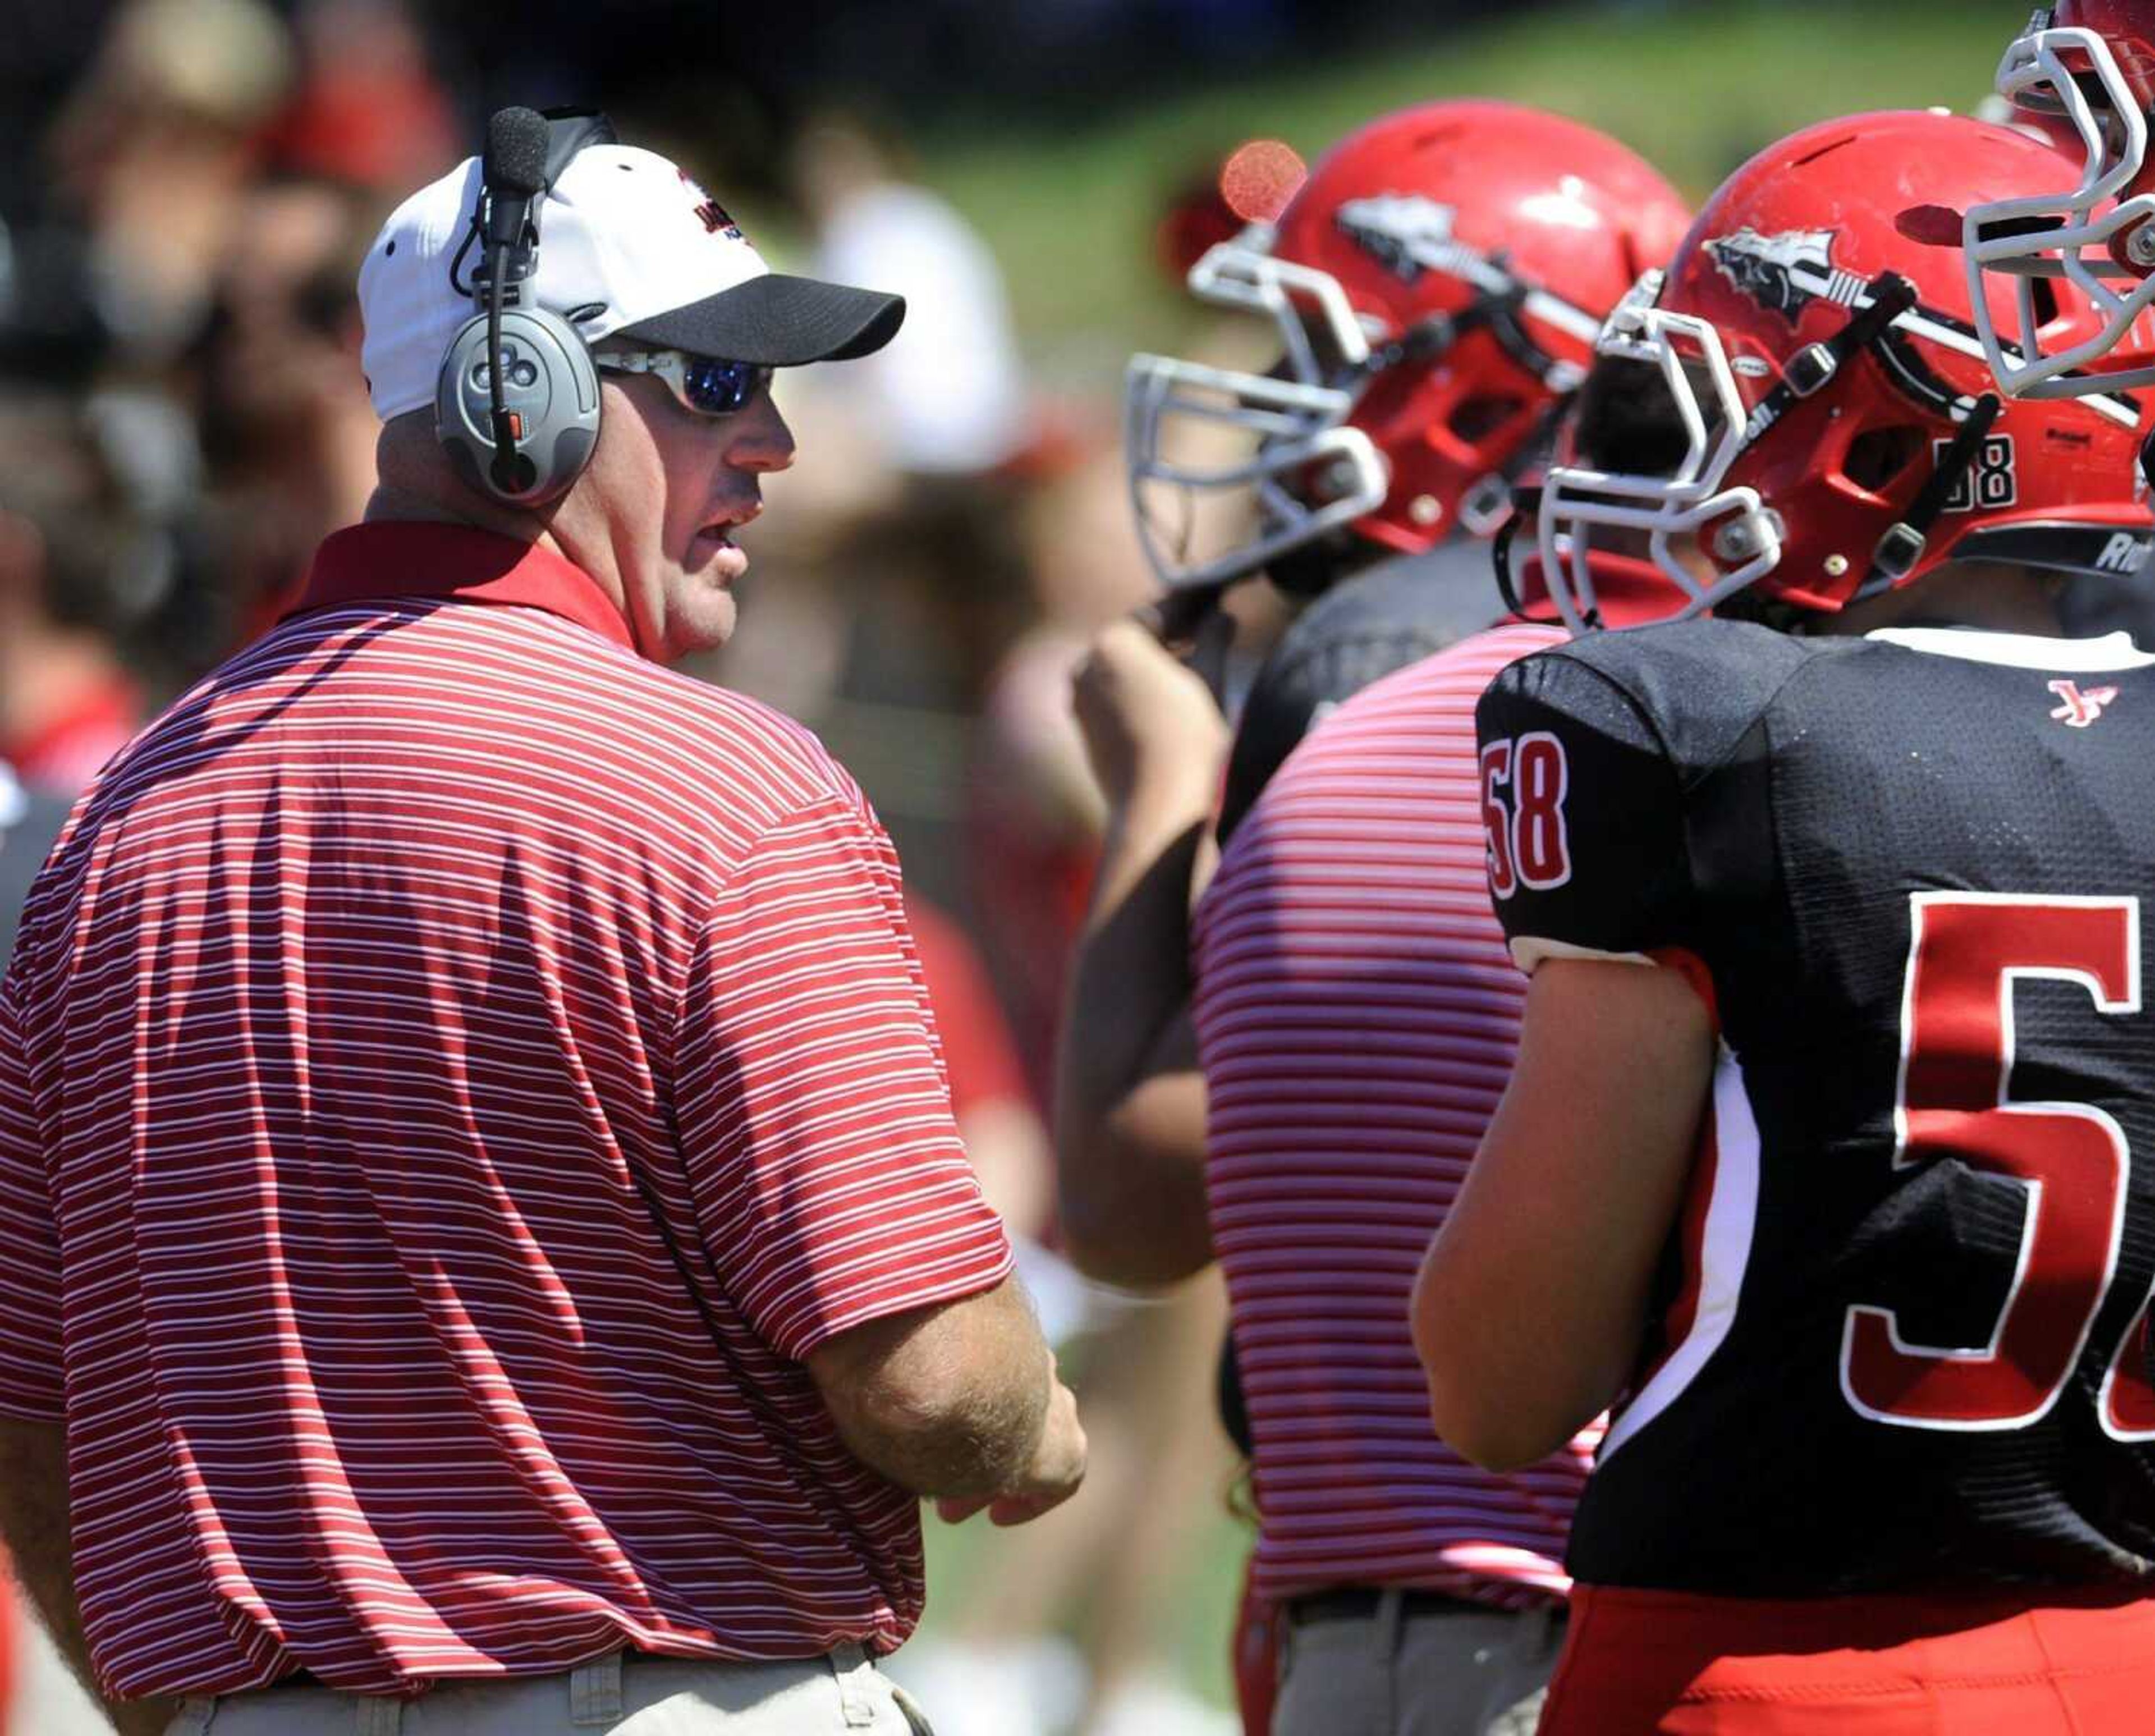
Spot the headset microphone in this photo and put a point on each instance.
(516, 405)
(515, 174)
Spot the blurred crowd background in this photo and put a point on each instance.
(182, 419)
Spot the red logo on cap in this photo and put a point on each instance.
(711, 213)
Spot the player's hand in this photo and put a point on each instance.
(1057, 1467)
(1149, 722)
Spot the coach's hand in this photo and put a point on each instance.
(1057, 1467)
(1149, 722)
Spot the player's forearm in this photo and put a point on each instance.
(33, 1523)
(1133, 1195)
(1130, 1102)
(1532, 1301)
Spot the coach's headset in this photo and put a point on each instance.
(516, 404)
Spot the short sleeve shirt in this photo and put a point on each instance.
(1357, 1018)
(452, 1074)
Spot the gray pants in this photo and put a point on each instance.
(1457, 1671)
(627, 1694)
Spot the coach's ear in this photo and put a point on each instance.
(1531, 1304)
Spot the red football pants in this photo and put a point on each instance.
(2037, 1662)
(1256, 1655)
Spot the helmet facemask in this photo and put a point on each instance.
(2109, 255)
(1310, 471)
(1677, 511)
(1296, 418)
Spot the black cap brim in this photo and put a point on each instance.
(778, 321)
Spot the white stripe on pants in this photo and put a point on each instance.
(625, 1693)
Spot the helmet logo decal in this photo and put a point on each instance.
(1411, 233)
(1786, 272)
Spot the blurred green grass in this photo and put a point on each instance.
(1207, 1592)
(1696, 87)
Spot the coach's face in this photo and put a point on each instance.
(665, 491)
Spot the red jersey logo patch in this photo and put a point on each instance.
(2080, 709)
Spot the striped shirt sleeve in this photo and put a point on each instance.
(30, 1381)
(814, 1117)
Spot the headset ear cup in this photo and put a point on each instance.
(549, 384)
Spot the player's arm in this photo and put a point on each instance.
(1130, 1100)
(1531, 1305)
(1532, 1302)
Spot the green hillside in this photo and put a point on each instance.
(1694, 87)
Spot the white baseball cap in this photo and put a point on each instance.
(628, 246)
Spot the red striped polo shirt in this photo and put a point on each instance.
(1357, 1016)
(451, 1071)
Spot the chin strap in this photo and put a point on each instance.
(1905, 542)
(1498, 309)
(1486, 508)
(1526, 503)
(1812, 368)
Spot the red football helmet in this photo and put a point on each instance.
(1436, 284)
(1839, 434)
(2085, 70)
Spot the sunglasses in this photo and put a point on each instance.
(705, 385)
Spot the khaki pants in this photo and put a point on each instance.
(1451, 1671)
(626, 1693)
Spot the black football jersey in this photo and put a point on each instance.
(1364, 627)
(1901, 1337)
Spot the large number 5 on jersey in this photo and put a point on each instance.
(1967, 951)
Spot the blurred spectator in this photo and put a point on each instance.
(947, 397)
(905, 565)
(1036, 814)
(29, 822)
(1001, 1130)
(288, 433)
(368, 110)
(1034, 831)
(1105, 1573)
(77, 567)
(153, 151)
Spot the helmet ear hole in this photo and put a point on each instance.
(1877, 456)
(1473, 419)
(1628, 419)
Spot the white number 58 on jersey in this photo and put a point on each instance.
(1524, 780)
